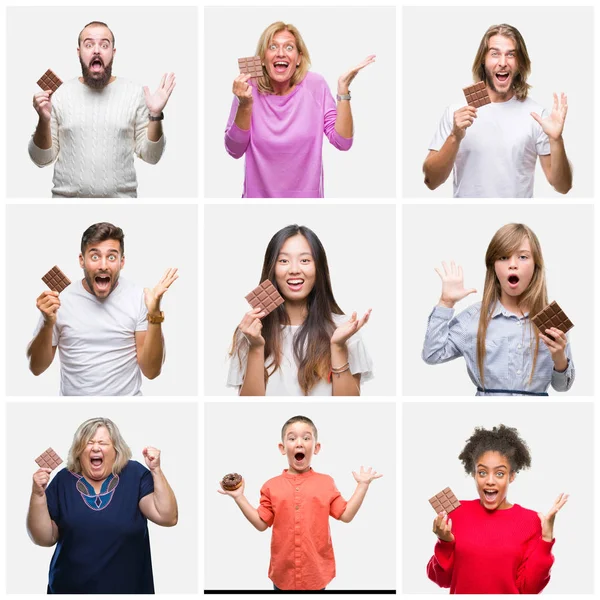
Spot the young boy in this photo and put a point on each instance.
(297, 504)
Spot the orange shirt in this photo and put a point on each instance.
(298, 508)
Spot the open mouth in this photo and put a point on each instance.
(295, 284)
(96, 462)
(96, 64)
(513, 281)
(102, 282)
(490, 495)
(502, 76)
(299, 456)
(280, 66)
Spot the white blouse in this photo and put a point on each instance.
(284, 382)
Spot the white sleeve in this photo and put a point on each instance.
(148, 151)
(443, 131)
(359, 358)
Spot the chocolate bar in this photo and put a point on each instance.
(265, 296)
(477, 95)
(444, 501)
(552, 316)
(56, 280)
(49, 459)
(49, 81)
(251, 65)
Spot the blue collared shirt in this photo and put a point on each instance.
(509, 349)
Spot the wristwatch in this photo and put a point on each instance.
(343, 96)
(159, 118)
(156, 319)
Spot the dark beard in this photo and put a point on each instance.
(89, 280)
(96, 81)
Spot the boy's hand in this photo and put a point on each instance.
(366, 475)
(233, 493)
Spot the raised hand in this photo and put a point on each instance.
(348, 77)
(242, 89)
(40, 481)
(156, 102)
(42, 102)
(233, 493)
(462, 119)
(152, 297)
(48, 304)
(554, 123)
(453, 289)
(547, 520)
(346, 330)
(251, 327)
(152, 457)
(442, 527)
(366, 475)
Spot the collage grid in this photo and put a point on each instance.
(411, 425)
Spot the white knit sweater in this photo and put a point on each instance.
(94, 136)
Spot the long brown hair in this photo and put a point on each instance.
(519, 85)
(312, 340)
(264, 83)
(505, 242)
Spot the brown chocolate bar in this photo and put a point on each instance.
(444, 501)
(477, 95)
(49, 459)
(265, 296)
(49, 81)
(552, 316)
(251, 65)
(56, 280)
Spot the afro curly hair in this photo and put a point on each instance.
(502, 439)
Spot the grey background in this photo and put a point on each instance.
(338, 38)
(243, 437)
(150, 41)
(560, 438)
(360, 244)
(156, 237)
(439, 45)
(462, 233)
(172, 428)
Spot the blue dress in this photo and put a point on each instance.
(103, 545)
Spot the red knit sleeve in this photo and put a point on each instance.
(533, 574)
(439, 568)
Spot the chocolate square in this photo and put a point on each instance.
(552, 316)
(477, 94)
(56, 280)
(250, 65)
(49, 459)
(49, 81)
(445, 500)
(265, 296)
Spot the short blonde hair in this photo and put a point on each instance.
(84, 434)
(264, 83)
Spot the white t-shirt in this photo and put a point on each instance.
(96, 340)
(497, 156)
(284, 382)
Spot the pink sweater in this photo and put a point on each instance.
(284, 145)
(494, 552)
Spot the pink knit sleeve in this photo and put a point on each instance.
(329, 117)
(533, 574)
(441, 564)
(236, 139)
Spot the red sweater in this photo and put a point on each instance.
(494, 552)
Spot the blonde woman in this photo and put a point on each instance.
(499, 343)
(96, 511)
(278, 120)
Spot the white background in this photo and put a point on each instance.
(439, 52)
(368, 169)
(169, 427)
(243, 438)
(560, 439)
(156, 238)
(149, 43)
(462, 233)
(360, 247)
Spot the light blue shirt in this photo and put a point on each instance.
(509, 348)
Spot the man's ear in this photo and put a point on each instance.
(122, 261)
(81, 260)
